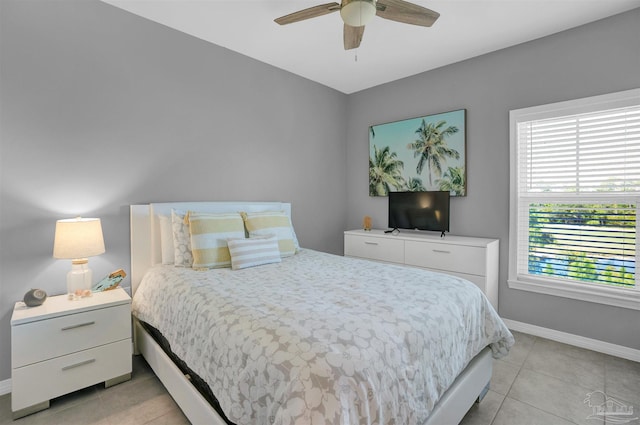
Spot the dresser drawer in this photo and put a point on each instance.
(381, 249)
(45, 380)
(45, 339)
(446, 257)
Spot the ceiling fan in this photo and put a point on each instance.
(357, 13)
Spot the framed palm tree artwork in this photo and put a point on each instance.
(424, 153)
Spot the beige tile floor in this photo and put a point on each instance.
(541, 382)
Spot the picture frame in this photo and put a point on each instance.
(419, 154)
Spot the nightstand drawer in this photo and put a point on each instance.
(46, 339)
(52, 378)
(446, 257)
(373, 248)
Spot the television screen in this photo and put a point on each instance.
(419, 210)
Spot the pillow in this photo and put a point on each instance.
(166, 240)
(272, 223)
(181, 240)
(253, 252)
(209, 234)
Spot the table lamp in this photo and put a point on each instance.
(76, 239)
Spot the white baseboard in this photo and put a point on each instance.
(577, 340)
(5, 386)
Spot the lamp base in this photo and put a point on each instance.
(79, 279)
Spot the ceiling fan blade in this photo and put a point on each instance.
(405, 12)
(309, 13)
(352, 36)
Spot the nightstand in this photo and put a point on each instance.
(63, 346)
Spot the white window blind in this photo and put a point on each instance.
(577, 191)
(585, 153)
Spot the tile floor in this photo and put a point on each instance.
(541, 382)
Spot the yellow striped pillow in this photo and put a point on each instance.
(271, 223)
(209, 234)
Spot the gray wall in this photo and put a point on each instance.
(597, 58)
(102, 109)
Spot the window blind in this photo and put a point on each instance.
(578, 184)
(585, 153)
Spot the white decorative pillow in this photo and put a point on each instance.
(272, 223)
(181, 240)
(209, 234)
(166, 240)
(253, 252)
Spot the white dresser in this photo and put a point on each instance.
(62, 346)
(475, 259)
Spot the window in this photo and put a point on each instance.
(575, 187)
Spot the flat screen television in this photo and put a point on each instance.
(419, 211)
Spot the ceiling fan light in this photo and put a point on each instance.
(357, 13)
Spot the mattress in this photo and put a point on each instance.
(320, 338)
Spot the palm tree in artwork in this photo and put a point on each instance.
(453, 181)
(385, 172)
(415, 185)
(431, 147)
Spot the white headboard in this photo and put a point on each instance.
(145, 228)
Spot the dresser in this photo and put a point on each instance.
(62, 346)
(475, 259)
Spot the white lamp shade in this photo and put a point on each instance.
(357, 13)
(78, 238)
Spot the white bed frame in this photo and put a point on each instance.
(470, 386)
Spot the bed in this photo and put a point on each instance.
(314, 338)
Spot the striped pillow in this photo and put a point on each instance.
(253, 252)
(209, 234)
(271, 223)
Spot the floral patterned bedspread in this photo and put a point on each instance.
(322, 339)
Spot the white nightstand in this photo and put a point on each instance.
(63, 346)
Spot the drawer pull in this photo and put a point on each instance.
(78, 364)
(81, 325)
(370, 243)
(442, 251)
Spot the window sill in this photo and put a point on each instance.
(619, 297)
